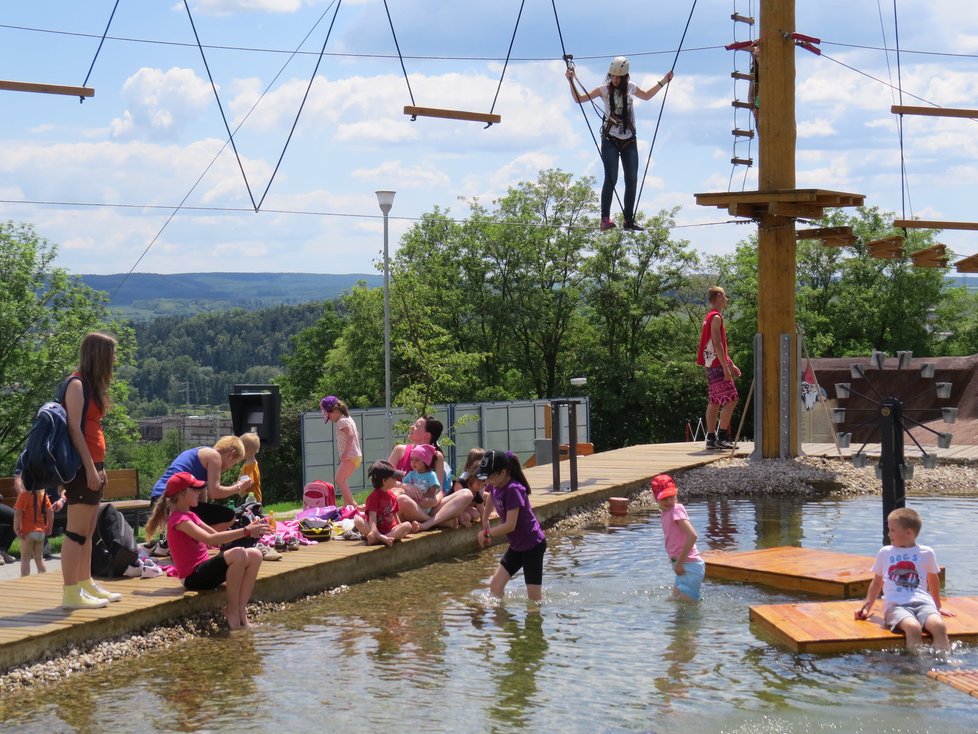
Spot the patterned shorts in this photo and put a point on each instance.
(719, 390)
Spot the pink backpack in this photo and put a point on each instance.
(318, 494)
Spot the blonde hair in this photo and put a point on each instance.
(907, 519)
(161, 512)
(474, 458)
(712, 292)
(232, 445)
(251, 442)
(95, 361)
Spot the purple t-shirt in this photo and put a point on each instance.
(528, 533)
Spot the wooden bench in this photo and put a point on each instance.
(121, 490)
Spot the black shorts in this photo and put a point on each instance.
(531, 561)
(77, 491)
(208, 575)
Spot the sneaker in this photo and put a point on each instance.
(268, 554)
(633, 227)
(711, 441)
(292, 544)
(158, 548)
(723, 440)
(151, 572)
(607, 224)
(134, 571)
(5, 557)
(96, 591)
(74, 597)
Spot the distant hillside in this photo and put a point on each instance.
(148, 295)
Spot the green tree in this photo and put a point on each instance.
(44, 314)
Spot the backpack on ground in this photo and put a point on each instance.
(318, 494)
(49, 458)
(113, 544)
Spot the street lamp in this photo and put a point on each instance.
(386, 200)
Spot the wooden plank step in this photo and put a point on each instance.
(823, 572)
(963, 680)
(452, 114)
(830, 627)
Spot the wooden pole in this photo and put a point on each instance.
(776, 254)
(743, 417)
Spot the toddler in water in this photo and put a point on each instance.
(680, 539)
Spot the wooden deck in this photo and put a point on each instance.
(810, 570)
(32, 622)
(963, 680)
(830, 627)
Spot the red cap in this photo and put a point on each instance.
(663, 486)
(181, 481)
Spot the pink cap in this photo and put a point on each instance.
(425, 452)
(663, 486)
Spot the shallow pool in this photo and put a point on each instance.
(609, 652)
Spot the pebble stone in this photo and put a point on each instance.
(806, 476)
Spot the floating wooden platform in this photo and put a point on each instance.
(963, 680)
(830, 627)
(823, 572)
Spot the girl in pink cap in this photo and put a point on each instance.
(680, 540)
(347, 443)
(420, 488)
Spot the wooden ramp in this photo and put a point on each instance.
(32, 623)
(822, 572)
(963, 680)
(830, 627)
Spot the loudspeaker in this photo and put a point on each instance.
(256, 409)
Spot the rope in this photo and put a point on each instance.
(506, 63)
(302, 104)
(400, 57)
(662, 106)
(903, 161)
(227, 126)
(99, 49)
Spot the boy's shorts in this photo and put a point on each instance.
(692, 579)
(919, 610)
(719, 390)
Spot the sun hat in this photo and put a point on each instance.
(663, 486)
(492, 462)
(425, 452)
(329, 403)
(181, 481)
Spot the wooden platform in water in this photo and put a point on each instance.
(963, 680)
(823, 572)
(33, 624)
(830, 627)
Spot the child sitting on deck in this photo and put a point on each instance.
(189, 537)
(900, 567)
(680, 539)
(420, 488)
(383, 525)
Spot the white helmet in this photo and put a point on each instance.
(619, 67)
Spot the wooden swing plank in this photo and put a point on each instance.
(932, 224)
(46, 88)
(968, 265)
(896, 239)
(822, 232)
(452, 114)
(898, 109)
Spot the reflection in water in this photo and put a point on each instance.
(682, 630)
(516, 678)
(777, 521)
(721, 531)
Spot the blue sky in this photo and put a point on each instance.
(154, 127)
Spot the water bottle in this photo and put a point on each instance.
(250, 498)
(271, 521)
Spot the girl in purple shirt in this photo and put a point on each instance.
(509, 496)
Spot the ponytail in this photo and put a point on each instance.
(516, 470)
(159, 515)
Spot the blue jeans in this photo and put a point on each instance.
(610, 153)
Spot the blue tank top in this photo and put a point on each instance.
(187, 461)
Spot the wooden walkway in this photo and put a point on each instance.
(810, 570)
(963, 680)
(33, 624)
(830, 627)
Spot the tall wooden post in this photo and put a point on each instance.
(776, 234)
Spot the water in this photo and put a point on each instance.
(609, 652)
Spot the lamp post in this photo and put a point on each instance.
(386, 200)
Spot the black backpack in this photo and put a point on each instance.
(49, 458)
(113, 545)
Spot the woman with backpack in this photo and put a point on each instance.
(86, 399)
(618, 134)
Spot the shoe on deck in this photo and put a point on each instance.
(74, 597)
(97, 592)
(5, 557)
(268, 554)
(607, 224)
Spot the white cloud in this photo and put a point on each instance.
(232, 7)
(398, 175)
(160, 103)
(815, 128)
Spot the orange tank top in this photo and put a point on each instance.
(94, 438)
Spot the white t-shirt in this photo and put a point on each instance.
(615, 129)
(904, 572)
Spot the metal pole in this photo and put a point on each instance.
(387, 336)
(555, 441)
(572, 441)
(891, 459)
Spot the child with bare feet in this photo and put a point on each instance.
(462, 506)
(420, 488)
(383, 524)
(902, 569)
(189, 538)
